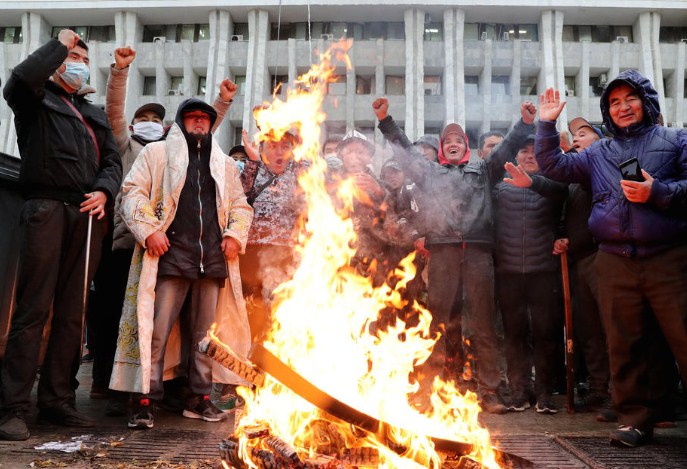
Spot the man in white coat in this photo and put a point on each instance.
(184, 203)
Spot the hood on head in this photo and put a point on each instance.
(449, 129)
(529, 140)
(194, 104)
(646, 91)
(430, 140)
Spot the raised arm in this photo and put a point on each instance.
(508, 148)
(227, 91)
(115, 96)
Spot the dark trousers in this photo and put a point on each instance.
(533, 325)
(461, 277)
(634, 293)
(51, 274)
(170, 295)
(105, 309)
(588, 329)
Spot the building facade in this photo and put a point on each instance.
(439, 62)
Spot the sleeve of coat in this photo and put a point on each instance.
(142, 212)
(221, 107)
(115, 98)
(239, 212)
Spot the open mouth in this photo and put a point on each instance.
(279, 161)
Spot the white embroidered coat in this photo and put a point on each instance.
(150, 193)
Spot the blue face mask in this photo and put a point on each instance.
(241, 165)
(76, 74)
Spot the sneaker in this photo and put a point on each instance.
(116, 407)
(201, 407)
(230, 403)
(66, 415)
(491, 402)
(142, 416)
(629, 437)
(519, 403)
(13, 428)
(545, 405)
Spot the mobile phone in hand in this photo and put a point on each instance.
(631, 171)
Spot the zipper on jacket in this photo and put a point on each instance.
(200, 214)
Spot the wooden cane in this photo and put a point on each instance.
(569, 349)
(85, 282)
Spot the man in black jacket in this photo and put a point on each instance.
(70, 170)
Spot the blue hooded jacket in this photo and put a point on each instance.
(620, 226)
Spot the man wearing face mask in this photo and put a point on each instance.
(118, 247)
(70, 168)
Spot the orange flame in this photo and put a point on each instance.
(322, 316)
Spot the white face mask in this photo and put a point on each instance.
(76, 74)
(148, 131)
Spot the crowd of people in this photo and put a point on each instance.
(174, 235)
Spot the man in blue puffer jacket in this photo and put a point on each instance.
(641, 230)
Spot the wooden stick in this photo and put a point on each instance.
(569, 348)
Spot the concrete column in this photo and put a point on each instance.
(350, 97)
(485, 84)
(162, 79)
(679, 77)
(614, 69)
(257, 74)
(129, 32)
(6, 124)
(128, 29)
(516, 73)
(552, 71)
(646, 32)
(454, 71)
(221, 29)
(190, 85)
(582, 81)
(415, 72)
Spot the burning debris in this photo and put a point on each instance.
(327, 392)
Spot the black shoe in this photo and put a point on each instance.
(98, 392)
(519, 402)
(13, 428)
(65, 415)
(545, 405)
(142, 416)
(630, 437)
(201, 407)
(491, 402)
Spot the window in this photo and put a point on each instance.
(89, 33)
(395, 85)
(176, 32)
(12, 35)
(472, 86)
(364, 84)
(149, 86)
(597, 84)
(238, 136)
(240, 81)
(570, 87)
(241, 29)
(473, 136)
(601, 33)
(202, 81)
(528, 86)
(507, 31)
(432, 85)
(396, 31)
(338, 87)
(281, 81)
(376, 30)
(471, 32)
(500, 85)
(434, 32)
(671, 35)
(176, 86)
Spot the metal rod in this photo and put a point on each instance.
(85, 280)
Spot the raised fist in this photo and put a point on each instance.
(228, 89)
(381, 108)
(69, 38)
(123, 57)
